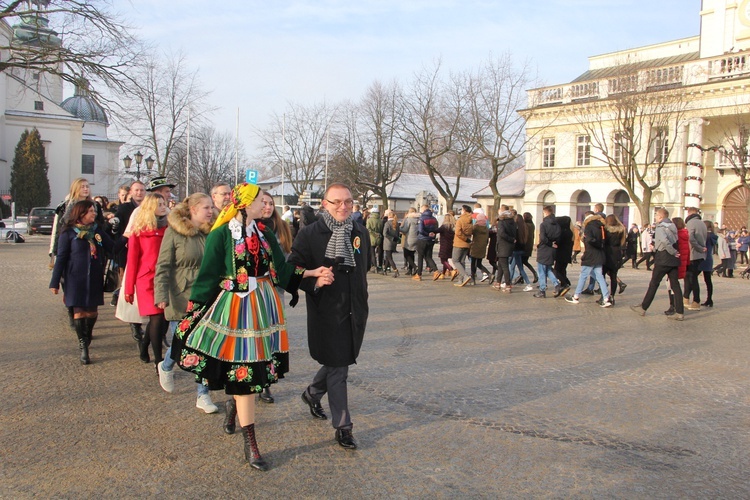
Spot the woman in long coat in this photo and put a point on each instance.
(234, 333)
(480, 236)
(80, 256)
(447, 232)
(180, 257)
(149, 227)
(391, 236)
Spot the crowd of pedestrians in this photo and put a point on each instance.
(214, 270)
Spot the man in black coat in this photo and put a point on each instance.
(546, 252)
(337, 308)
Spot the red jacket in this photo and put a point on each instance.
(683, 243)
(143, 252)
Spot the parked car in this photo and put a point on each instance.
(40, 220)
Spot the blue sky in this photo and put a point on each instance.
(260, 55)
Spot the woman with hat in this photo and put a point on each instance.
(234, 335)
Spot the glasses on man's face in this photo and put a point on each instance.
(338, 203)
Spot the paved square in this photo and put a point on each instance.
(459, 392)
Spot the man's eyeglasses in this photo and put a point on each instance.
(338, 203)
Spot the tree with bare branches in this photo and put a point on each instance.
(496, 91)
(633, 132)
(154, 110)
(69, 39)
(369, 151)
(430, 116)
(295, 142)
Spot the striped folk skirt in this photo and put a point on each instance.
(237, 343)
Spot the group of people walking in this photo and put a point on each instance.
(215, 268)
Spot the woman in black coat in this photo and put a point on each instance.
(506, 240)
(80, 256)
(530, 231)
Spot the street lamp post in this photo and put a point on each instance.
(138, 157)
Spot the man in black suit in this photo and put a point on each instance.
(337, 306)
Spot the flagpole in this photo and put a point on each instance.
(237, 149)
(187, 166)
(283, 159)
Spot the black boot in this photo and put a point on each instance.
(90, 322)
(230, 418)
(80, 325)
(137, 331)
(252, 455)
(266, 396)
(143, 350)
(671, 310)
(71, 318)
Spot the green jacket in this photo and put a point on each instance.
(375, 227)
(218, 269)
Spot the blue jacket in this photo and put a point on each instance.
(427, 224)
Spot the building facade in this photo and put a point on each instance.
(663, 124)
(73, 131)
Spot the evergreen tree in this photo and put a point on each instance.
(29, 184)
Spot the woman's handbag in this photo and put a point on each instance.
(111, 277)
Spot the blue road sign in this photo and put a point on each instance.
(251, 176)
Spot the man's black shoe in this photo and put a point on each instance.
(345, 439)
(315, 409)
(587, 292)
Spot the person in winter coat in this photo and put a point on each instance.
(337, 308)
(576, 241)
(697, 231)
(516, 262)
(410, 229)
(613, 246)
(530, 232)
(683, 247)
(144, 242)
(80, 253)
(506, 242)
(478, 249)
(426, 232)
(462, 244)
(180, 257)
(647, 252)
(724, 255)
(391, 237)
(707, 266)
(564, 253)
(666, 263)
(593, 258)
(446, 232)
(306, 215)
(374, 225)
(546, 252)
(631, 245)
(743, 243)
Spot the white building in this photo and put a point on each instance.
(73, 131)
(568, 167)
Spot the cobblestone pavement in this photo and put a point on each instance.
(458, 392)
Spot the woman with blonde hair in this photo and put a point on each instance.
(180, 257)
(391, 237)
(144, 243)
(234, 333)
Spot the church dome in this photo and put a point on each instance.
(85, 107)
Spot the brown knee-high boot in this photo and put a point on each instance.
(252, 455)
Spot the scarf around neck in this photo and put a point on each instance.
(88, 233)
(340, 243)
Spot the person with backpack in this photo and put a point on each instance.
(427, 228)
(593, 258)
(546, 252)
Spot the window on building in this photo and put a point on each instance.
(39, 105)
(583, 153)
(87, 164)
(548, 152)
(618, 149)
(659, 145)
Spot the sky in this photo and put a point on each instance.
(258, 56)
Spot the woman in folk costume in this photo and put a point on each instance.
(234, 335)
